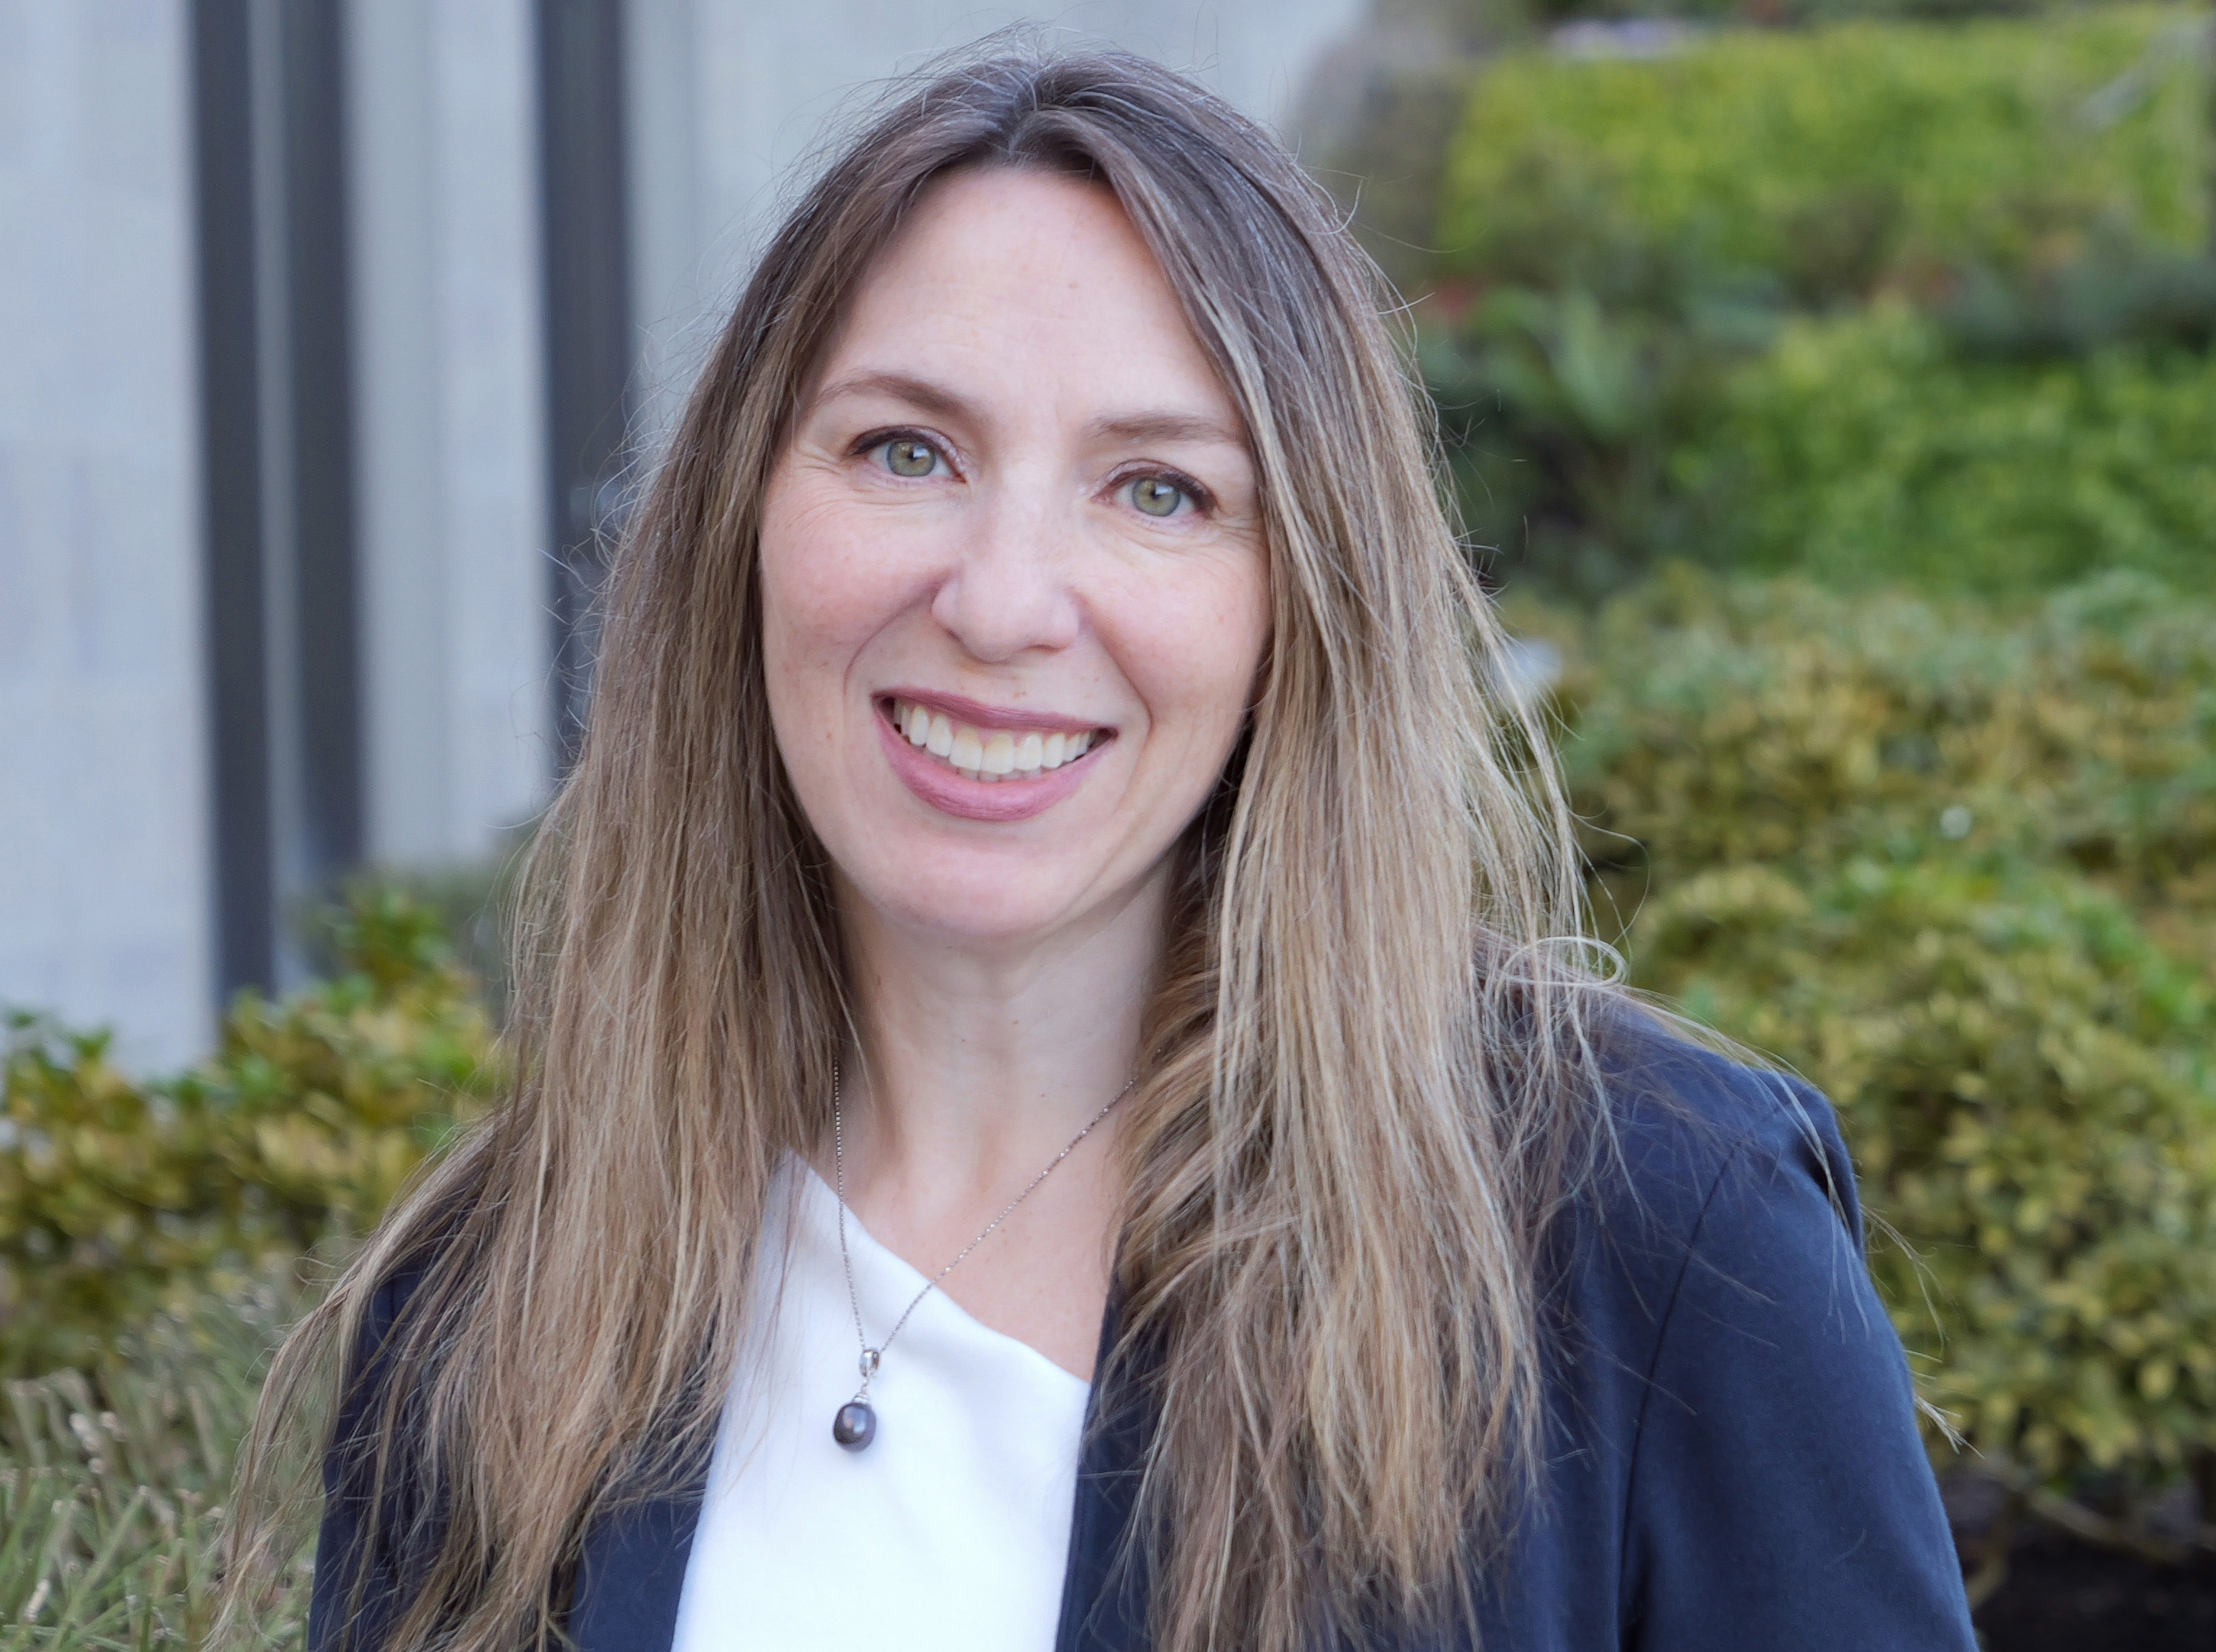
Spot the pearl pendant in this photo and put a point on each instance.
(855, 1425)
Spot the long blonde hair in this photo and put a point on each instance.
(1369, 1074)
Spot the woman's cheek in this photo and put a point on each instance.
(808, 625)
(844, 567)
(809, 554)
(1224, 631)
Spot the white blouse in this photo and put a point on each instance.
(950, 1530)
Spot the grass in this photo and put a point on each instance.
(112, 1483)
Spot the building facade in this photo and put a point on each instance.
(332, 333)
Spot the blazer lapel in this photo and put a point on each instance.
(1104, 1590)
(632, 1573)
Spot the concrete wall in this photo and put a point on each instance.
(104, 904)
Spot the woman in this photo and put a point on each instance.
(1056, 1106)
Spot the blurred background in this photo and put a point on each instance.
(1827, 388)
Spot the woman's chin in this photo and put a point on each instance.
(989, 916)
(989, 901)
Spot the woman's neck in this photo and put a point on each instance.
(977, 1065)
(980, 1060)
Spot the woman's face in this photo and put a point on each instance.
(1015, 588)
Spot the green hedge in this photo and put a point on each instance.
(1868, 447)
(1960, 872)
(1879, 302)
(119, 1197)
(1833, 159)
(1784, 725)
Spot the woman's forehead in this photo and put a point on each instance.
(1009, 283)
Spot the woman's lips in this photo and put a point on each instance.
(982, 773)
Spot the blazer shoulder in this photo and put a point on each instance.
(1686, 1126)
(1776, 1490)
(1703, 1164)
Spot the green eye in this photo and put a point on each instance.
(1157, 495)
(906, 457)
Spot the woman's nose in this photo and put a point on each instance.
(1009, 592)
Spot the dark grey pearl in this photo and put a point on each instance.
(856, 1425)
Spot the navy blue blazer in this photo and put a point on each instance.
(1731, 1457)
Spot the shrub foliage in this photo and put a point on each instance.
(119, 1197)
(1879, 301)
(1867, 447)
(1831, 160)
(1960, 872)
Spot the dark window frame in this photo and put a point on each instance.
(281, 623)
(590, 347)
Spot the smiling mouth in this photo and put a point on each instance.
(987, 754)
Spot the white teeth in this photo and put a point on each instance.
(976, 754)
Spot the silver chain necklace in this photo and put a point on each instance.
(856, 1425)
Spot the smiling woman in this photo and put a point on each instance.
(1060, 1103)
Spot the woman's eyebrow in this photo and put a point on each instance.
(1162, 424)
(1166, 427)
(919, 393)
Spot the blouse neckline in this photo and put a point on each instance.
(819, 1209)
